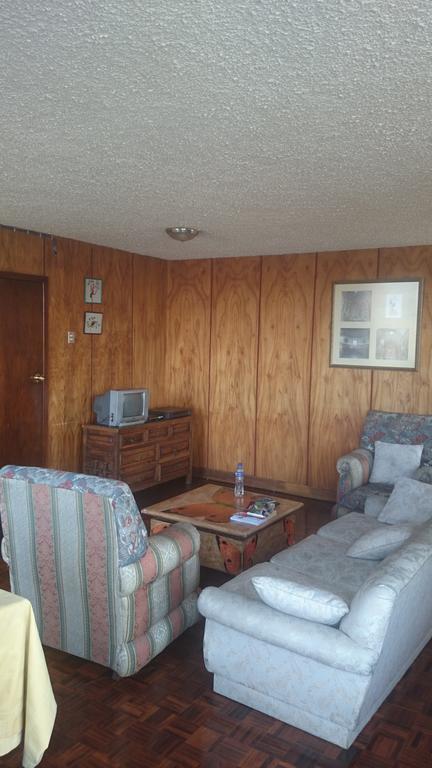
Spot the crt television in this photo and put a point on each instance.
(121, 407)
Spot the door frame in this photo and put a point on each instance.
(44, 280)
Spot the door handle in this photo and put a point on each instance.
(37, 378)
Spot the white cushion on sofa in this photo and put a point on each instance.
(380, 542)
(301, 600)
(409, 502)
(392, 461)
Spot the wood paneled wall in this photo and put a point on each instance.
(273, 400)
(112, 350)
(22, 253)
(149, 327)
(69, 369)
(233, 362)
(245, 342)
(285, 342)
(403, 390)
(188, 345)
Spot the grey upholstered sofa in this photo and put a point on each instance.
(356, 489)
(325, 678)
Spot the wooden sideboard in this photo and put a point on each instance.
(141, 455)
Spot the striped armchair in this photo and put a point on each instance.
(100, 588)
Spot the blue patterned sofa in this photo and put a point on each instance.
(355, 468)
(318, 637)
(100, 588)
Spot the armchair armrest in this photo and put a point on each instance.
(354, 470)
(166, 551)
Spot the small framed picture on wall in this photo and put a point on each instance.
(93, 322)
(92, 290)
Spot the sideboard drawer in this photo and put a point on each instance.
(139, 476)
(174, 448)
(173, 469)
(134, 456)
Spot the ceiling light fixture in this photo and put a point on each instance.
(182, 233)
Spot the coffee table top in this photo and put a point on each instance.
(210, 506)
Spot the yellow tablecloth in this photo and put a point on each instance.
(27, 704)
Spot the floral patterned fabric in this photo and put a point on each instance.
(131, 531)
(402, 428)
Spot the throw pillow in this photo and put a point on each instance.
(301, 600)
(409, 502)
(392, 461)
(380, 542)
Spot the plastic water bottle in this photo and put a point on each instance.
(239, 480)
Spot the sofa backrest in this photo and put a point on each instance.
(372, 606)
(65, 536)
(403, 428)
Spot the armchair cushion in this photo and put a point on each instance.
(356, 500)
(393, 461)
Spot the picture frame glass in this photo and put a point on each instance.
(92, 290)
(93, 322)
(376, 324)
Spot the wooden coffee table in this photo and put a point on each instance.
(226, 546)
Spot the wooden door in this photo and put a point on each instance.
(22, 370)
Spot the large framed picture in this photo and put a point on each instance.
(376, 324)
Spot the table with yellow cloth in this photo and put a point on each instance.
(27, 704)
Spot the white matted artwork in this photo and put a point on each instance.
(92, 290)
(93, 322)
(376, 324)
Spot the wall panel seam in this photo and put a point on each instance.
(311, 352)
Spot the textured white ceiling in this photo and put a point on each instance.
(274, 126)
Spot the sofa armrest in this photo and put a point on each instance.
(354, 470)
(308, 638)
(166, 550)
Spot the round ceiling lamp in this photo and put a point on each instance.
(182, 233)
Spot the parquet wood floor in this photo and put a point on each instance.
(167, 716)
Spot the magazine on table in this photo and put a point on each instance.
(257, 512)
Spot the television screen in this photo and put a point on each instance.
(132, 405)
